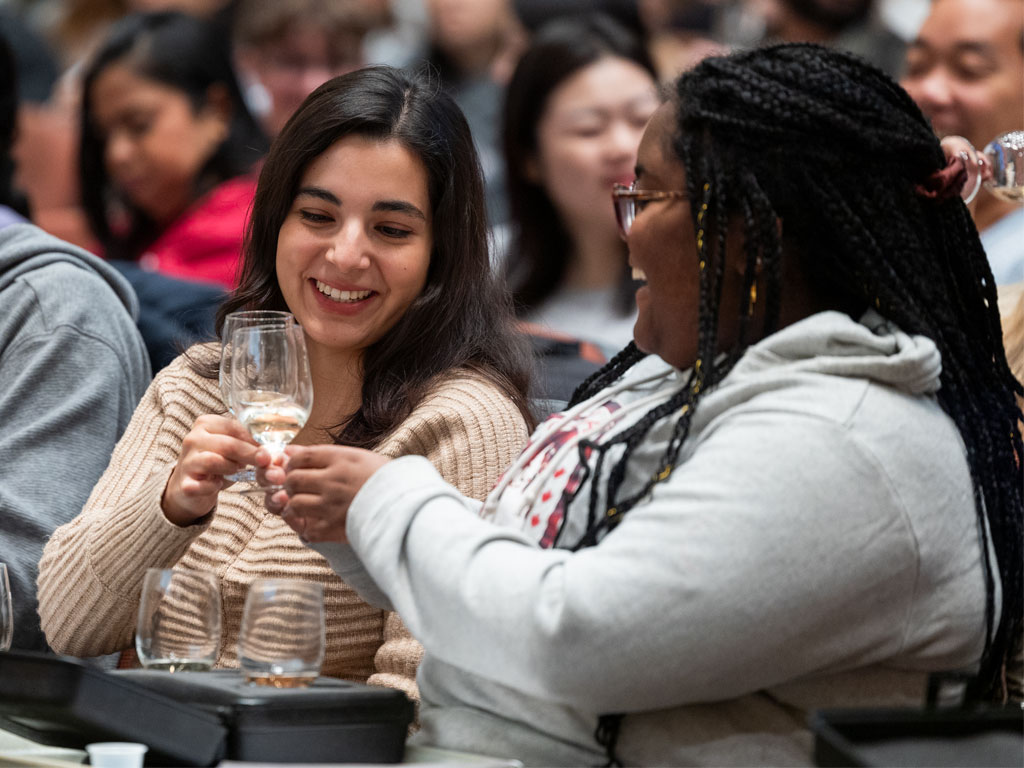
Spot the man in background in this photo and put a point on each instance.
(965, 70)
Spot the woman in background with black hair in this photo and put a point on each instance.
(801, 488)
(575, 109)
(167, 148)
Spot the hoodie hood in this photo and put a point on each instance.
(831, 343)
(25, 248)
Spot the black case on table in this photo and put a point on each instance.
(200, 718)
(919, 737)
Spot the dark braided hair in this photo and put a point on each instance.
(833, 148)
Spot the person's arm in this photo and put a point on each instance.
(470, 432)
(65, 398)
(744, 570)
(467, 428)
(92, 568)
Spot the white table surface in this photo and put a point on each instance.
(14, 750)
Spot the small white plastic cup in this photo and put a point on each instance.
(116, 754)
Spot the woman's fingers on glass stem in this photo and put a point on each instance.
(305, 504)
(267, 457)
(276, 502)
(273, 475)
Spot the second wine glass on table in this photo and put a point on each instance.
(281, 640)
(179, 621)
(269, 386)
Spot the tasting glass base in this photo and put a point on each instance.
(281, 681)
(282, 673)
(178, 665)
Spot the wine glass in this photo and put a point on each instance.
(1005, 156)
(282, 637)
(179, 622)
(6, 611)
(270, 389)
(999, 167)
(235, 320)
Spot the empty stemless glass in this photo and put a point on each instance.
(281, 642)
(6, 610)
(179, 620)
(234, 321)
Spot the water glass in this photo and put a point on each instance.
(6, 611)
(281, 642)
(179, 620)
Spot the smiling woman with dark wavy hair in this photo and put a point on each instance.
(368, 226)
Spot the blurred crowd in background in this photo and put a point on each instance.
(566, 270)
(285, 49)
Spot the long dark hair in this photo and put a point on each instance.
(835, 149)
(183, 52)
(541, 248)
(463, 317)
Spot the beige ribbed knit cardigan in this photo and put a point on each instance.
(90, 576)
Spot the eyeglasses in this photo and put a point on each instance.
(629, 201)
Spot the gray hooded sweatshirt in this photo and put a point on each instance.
(72, 369)
(815, 545)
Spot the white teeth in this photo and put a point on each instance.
(341, 296)
(639, 274)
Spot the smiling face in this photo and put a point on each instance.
(587, 139)
(662, 247)
(354, 249)
(156, 144)
(965, 70)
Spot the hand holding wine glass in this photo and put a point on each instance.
(234, 321)
(215, 447)
(319, 483)
(270, 388)
(999, 167)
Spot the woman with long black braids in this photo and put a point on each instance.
(801, 488)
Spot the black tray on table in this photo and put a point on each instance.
(200, 718)
(906, 738)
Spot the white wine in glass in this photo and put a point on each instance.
(270, 388)
(234, 321)
(273, 421)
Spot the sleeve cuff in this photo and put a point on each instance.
(137, 531)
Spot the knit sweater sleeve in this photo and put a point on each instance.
(470, 432)
(91, 572)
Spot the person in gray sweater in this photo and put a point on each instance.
(72, 369)
(800, 488)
